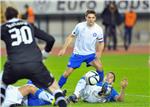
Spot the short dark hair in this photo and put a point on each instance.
(90, 12)
(11, 13)
(113, 75)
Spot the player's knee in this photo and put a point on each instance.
(99, 66)
(31, 89)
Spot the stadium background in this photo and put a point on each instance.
(59, 18)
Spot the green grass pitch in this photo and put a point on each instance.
(134, 67)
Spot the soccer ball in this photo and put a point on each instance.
(91, 77)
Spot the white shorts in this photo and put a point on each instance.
(13, 96)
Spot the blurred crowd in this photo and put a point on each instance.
(111, 18)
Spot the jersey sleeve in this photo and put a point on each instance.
(2, 32)
(75, 31)
(113, 95)
(49, 39)
(100, 37)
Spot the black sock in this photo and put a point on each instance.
(2, 94)
(60, 99)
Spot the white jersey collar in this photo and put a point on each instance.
(13, 20)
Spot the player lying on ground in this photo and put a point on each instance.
(101, 92)
(28, 95)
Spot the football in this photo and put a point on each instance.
(91, 77)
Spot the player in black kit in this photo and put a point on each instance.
(25, 58)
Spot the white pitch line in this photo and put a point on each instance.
(138, 95)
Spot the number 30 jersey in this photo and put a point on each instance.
(19, 37)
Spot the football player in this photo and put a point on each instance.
(24, 57)
(101, 92)
(88, 35)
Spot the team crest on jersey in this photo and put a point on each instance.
(94, 34)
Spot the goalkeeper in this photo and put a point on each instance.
(101, 92)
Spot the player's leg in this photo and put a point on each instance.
(6, 79)
(58, 95)
(79, 87)
(78, 90)
(64, 77)
(45, 79)
(42, 97)
(13, 97)
(3, 88)
(13, 72)
(27, 89)
(98, 66)
(74, 62)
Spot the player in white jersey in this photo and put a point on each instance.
(101, 92)
(16, 96)
(89, 37)
(28, 95)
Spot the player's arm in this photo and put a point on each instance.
(121, 96)
(49, 39)
(68, 41)
(100, 49)
(100, 43)
(2, 32)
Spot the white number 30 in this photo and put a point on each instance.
(21, 35)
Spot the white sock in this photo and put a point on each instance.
(43, 95)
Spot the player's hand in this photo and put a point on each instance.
(124, 83)
(45, 54)
(61, 52)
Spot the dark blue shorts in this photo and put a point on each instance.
(76, 60)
